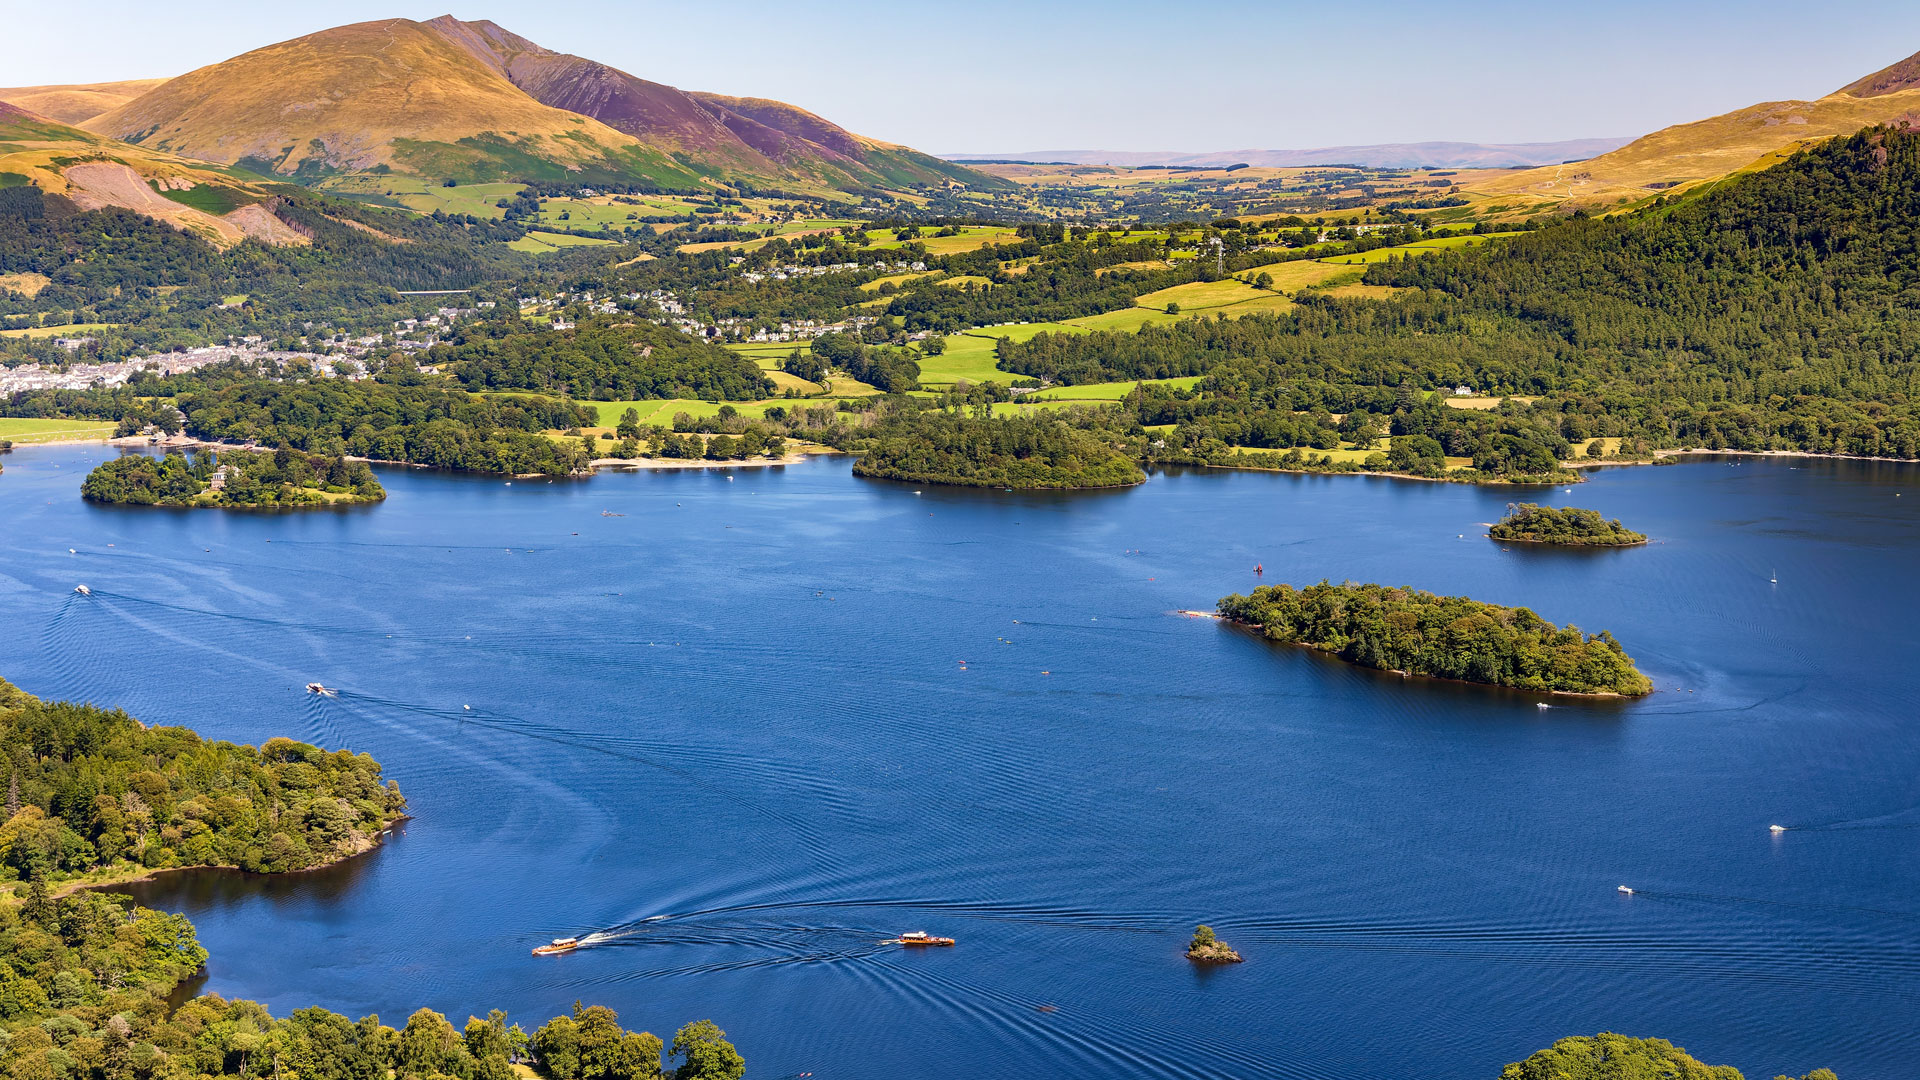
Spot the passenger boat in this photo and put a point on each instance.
(921, 937)
(559, 945)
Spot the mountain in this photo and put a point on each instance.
(747, 135)
(1688, 155)
(73, 104)
(1438, 155)
(95, 173)
(470, 101)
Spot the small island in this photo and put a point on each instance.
(1022, 453)
(1447, 637)
(1528, 523)
(1207, 949)
(235, 480)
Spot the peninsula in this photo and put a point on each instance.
(233, 480)
(1447, 637)
(93, 790)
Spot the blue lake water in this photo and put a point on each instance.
(730, 726)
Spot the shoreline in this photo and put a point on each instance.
(697, 463)
(1643, 542)
(133, 874)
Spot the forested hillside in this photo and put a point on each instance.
(1776, 312)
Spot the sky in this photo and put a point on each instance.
(1005, 76)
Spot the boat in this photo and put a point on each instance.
(1776, 829)
(921, 937)
(558, 946)
(324, 691)
(1626, 889)
(83, 590)
(1541, 705)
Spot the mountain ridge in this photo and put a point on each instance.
(471, 101)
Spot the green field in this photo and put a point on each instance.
(68, 330)
(1418, 247)
(476, 200)
(25, 430)
(1107, 391)
(541, 243)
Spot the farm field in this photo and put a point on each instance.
(1110, 391)
(1418, 247)
(415, 194)
(55, 331)
(33, 429)
(541, 243)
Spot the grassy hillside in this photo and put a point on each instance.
(392, 94)
(76, 103)
(98, 173)
(1687, 155)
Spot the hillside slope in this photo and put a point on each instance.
(75, 103)
(738, 136)
(472, 102)
(394, 93)
(1686, 155)
(95, 173)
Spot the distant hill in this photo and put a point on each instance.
(1439, 155)
(1687, 155)
(73, 104)
(93, 172)
(447, 99)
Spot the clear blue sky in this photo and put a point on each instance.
(1014, 75)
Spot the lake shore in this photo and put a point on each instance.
(133, 874)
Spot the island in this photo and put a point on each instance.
(1018, 452)
(1208, 949)
(1529, 523)
(242, 479)
(1447, 637)
(95, 797)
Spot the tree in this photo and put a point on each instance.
(706, 1053)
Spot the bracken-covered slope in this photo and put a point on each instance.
(1687, 155)
(94, 173)
(78, 102)
(739, 137)
(394, 93)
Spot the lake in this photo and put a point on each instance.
(748, 723)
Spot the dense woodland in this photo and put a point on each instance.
(1620, 1057)
(1568, 527)
(600, 359)
(282, 478)
(92, 787)
(1025, 453)
(85, 977)
(1449, 637)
